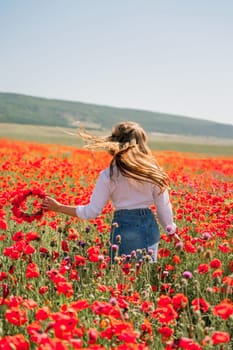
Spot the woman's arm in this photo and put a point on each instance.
(53, 205)
(164, 211)
(99, 198)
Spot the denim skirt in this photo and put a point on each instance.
(134, 230)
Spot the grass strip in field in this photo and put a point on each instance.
(54, 135)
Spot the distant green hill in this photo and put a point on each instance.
(23, 109)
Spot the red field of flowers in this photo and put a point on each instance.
(58, 289)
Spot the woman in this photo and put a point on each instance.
(133, 182)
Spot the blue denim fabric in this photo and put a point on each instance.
(138, 229)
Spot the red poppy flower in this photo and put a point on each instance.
(18, 236)
(74, 275)
(29, 304)
(32, 236)
(147, 327)
(32, 271)
(128, 336)
(202, 269)
(36, 334)
(16, 316)
(164, 300)
(228, 280)
(43, 289)
(5, 290)
(65, 288)
(166, 332)
(64, 325)
(56, 276)
(165, 314)
(164, 252)
(64, 246)
(217, 273)
(92, 336)
(3, 224)
(179, 301)
(190, 248)
(15, 301)
(79, 260)
(80, 304)
(224, 248)
(220, 337)
(200, 304)
(224, 309)
(147, 307)
(43, 313)
(12, 253)
(104, 308)
(215, 263)
(25, 247)
(188, 344)
(93, 254)
(3, 275)
(231, 266)
(14, 341)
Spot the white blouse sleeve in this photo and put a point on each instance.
(164, 210)
(99, 198)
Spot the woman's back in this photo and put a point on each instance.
(127, 193)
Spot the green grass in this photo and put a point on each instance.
(205, 149)
(41, 134)
(54, 135)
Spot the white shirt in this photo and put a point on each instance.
(126, 193)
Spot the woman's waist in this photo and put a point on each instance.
(144, 211)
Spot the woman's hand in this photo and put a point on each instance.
(50, 203)
(172, 232)
(177, 237)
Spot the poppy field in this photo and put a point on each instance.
(58, 289)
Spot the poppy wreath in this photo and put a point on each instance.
(17, 202)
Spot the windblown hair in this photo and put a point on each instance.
(131, 155)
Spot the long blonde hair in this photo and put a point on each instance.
(131, 155)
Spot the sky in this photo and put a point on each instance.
(172, 56)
